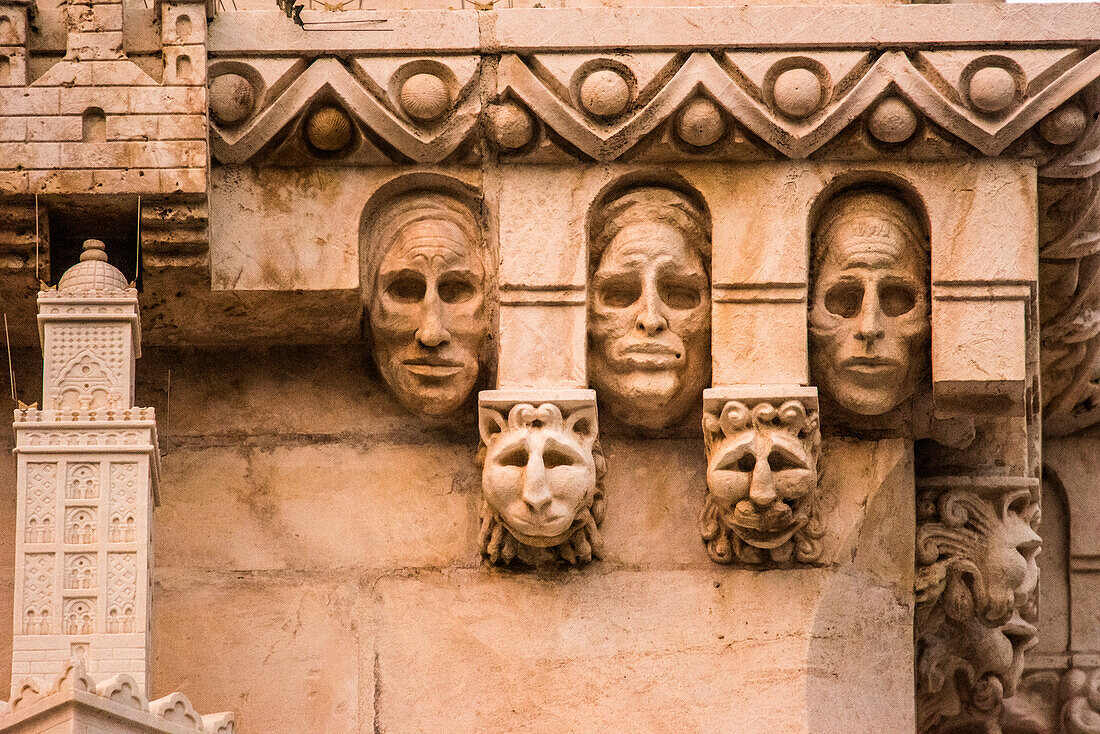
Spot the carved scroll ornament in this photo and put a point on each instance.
(543, 501)
(976, 586)
(762, 489)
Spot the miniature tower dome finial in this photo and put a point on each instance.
(93, 273)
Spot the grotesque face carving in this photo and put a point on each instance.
(976, 597)
(649, 308)
(762, 482)
(427, 308)
(539, 483)
(869, 316)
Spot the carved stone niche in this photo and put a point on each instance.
(649, 303)
(763, 448)
(976, 588)
(542, 471)
(869, 308)
(425, 281)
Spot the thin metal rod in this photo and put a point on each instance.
(168, 417)
(11, 368)
(137, 252)
(36, 239)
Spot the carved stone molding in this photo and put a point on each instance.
(375, 110)
(976, 589)
(763, 448)
(542, 466)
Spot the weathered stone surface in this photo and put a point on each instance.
(299, 629)
(641, 650)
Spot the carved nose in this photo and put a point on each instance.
(651, 320)
(871, 324)
(432, 333)
(536, 490)
(762, 490)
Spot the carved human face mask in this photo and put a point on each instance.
(649, 325)
(540, 473)
(428, 315)
(762, 482)
(869, 322)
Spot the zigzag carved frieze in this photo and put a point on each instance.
(602, 106)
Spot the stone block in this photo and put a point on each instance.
(14, 182)
(75, 100)
(30, 101)
(61, 128)
(544, 346)
(13, 129)
(640, 650)
(183, 23)
(256, 627)
(32, 155)
(182, 180)
(184, 65)
(290, 507)
(60, 181)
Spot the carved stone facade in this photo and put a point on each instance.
(447, 295)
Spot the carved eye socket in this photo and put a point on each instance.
(844, 299)
(514, 457)
(552, 458)
(681, 297)
(620, 293)
(745, 462)
(456, 290)
(782, 461)
(407, 288)
(896, 299)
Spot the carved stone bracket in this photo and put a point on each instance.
(541, 479)
(763, 446)
(976, 589)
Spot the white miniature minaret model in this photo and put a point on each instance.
(87, 475)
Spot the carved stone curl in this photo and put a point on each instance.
(541, 478)
(976, 597)
(762, 473)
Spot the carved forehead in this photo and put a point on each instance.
(870, 229)
(432, 238)
(650, 206)
(645, 241)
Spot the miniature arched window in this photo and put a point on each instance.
(94, 126)
(5, 70)
(183, 66)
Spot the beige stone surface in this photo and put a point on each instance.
(282, 651)
(642, 650)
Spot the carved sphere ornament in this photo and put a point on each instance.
(701, 123)
(540, 483)
(512, 125)
(425, 97)
(605, 93)
(870, 306)
(232, 99)
(427, 306)
(992, 89)
(892, 121)
(649, 306)
(798, 93)
(329, 129)
(1064, 125)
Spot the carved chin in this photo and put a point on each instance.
(430, 394)
(858, 397)
(542, 540)
(651, 399)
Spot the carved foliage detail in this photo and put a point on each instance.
(976, 597)
(541, 481)
(761, 503)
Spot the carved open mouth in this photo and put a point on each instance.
(768, 529)
(433, 366)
